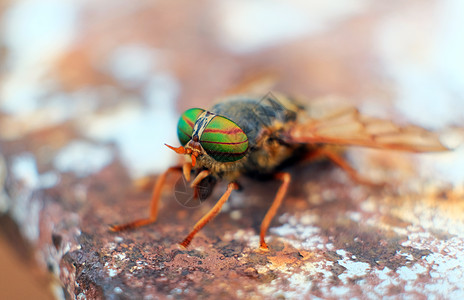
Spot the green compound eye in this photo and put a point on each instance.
(186, 123)
(223, 140)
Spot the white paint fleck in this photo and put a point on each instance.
(26, 211)
(132, 64)
(236, 215)
(35, 32)
(112, 272)
(81, 296)
(45, 110)
(430, 217)
(330, 246)
(339, 291)
(414, 57)
(49, 179)
(82, 158)
(24, 169)
(246, 26)
(355, 216)
(298, 235)
(353, 269)
(308, 219)
(301, 285)
(20, 93)
(139, 131)
(387, 280)
(407, 256)
(34, 28)
(57, 291)
(121, 256)
(406, 273)
(117, 290)
(369, 205)
(445, 167)
(161, 88)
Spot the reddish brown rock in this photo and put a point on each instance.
(69, 166)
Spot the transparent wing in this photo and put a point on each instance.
(349, 127)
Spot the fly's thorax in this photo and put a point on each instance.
(254, 114)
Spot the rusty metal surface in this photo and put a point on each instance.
(100, 110)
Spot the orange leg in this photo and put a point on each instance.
(339, 161)
(155, 198)
(202, 175)
(186, 169)
(285, 177)
(210, 215)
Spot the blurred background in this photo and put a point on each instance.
(86, 83)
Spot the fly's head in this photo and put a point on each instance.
(205, 136)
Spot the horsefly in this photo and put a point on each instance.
(259, 137)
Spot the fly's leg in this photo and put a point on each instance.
(154, 204)
(187, 169)
(202, 175)
(210, 215)
(285, 177)
(342, 163)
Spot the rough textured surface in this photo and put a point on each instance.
(78, 130)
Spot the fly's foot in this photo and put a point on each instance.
(263, 248)
(131, 225)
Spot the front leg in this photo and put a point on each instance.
(285, 177)
(210, 215)
(154, 203)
